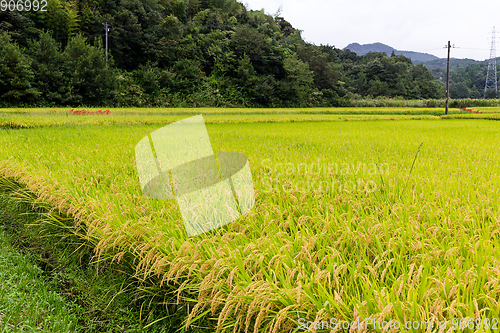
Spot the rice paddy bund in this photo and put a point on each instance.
(357, 216)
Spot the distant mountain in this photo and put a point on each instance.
(379, 47)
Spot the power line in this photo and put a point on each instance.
(439, 48)
(467, 48)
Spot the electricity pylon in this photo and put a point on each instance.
(491, 76)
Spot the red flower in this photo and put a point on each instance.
(83, 111)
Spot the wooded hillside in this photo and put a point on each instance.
(185, 53)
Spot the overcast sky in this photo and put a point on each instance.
(421, 25)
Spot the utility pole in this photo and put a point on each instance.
(491, 76)
(448, 78)
(106, 28)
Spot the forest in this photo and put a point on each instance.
(466, 81)
(186, 53)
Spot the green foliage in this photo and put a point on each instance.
(61, 17)
(424, 86)
(49, 76)
(89, 78)
(206, 52)
(16, 74)
(376, 74)
(188, 76)
(466, 80)
(300, 81)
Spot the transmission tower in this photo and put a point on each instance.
(491, 76)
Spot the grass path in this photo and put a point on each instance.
(26, 302)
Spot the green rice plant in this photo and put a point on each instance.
(31, 118)
(323, 241)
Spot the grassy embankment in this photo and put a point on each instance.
(50, 282)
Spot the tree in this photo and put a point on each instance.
(49, 78)
(61, 17)
(188, 76)
(425, 85)
(300, 80)
(90, 80)
(212, 52)
(16, 74)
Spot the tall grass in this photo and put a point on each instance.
(420, 243)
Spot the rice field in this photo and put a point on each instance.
(362, 216)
